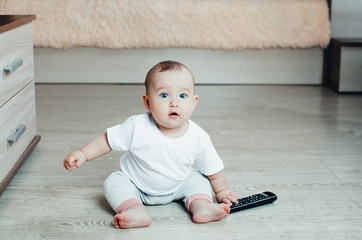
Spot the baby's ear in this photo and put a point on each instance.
(146, 102)
(196, 100)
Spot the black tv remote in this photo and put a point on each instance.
(253, 201)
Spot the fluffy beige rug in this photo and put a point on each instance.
(214, 24)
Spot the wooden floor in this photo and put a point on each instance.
(303, 143)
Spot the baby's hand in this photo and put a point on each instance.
(227, 196)
(74, 160)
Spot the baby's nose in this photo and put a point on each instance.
(174, 102)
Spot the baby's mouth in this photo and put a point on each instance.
(173, 114)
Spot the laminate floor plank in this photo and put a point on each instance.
(303, 143)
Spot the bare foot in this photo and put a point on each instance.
(135, 216)
(204, 211)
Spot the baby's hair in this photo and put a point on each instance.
(165, 66)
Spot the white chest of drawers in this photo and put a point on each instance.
(17, 95)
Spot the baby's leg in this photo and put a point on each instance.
(197, 195)
(131, 214)
(123, 197)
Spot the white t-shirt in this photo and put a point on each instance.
(157, 164)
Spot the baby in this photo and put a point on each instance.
(160, 148)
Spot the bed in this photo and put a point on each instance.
(241, 29)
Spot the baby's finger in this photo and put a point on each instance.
(227, 201)
(69, 162)
(65, 163)
(68, 166)
(77, 163)
(232, 198)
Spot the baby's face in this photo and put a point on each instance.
(171, 99)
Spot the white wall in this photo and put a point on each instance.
(346, 18)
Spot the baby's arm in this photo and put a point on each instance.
(221, 189)
(95, 148)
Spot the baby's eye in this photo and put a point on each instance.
(183, 95)
(164, 95)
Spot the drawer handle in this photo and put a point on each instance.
(20, 129)
(15, 65)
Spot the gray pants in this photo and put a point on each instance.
(118, 188)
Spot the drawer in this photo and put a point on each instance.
(16, 44)
(20, 110)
